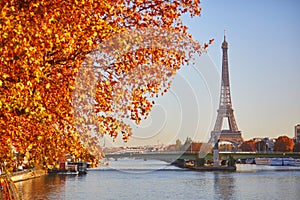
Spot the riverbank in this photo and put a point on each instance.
(28, 174)
(8, 189)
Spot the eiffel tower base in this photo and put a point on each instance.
(234, 137)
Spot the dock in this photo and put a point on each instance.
(214, 168)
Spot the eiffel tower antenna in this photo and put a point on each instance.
(225, 111)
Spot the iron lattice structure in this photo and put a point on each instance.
(232, 134)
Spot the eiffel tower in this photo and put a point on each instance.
(225, 111)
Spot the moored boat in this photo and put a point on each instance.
(250, 161)
(70, 168)
(213, 168)
(288, 161)
(282, 162)
(276, 162)
(262, 161)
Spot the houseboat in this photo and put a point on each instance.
(70, 168)
(262, 161)
(282, 162)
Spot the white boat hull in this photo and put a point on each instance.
(282, 162)
(262, 161)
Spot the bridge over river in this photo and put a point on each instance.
(174, 155)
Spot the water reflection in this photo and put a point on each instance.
(42, 188)
(169, 184)
(224, 186)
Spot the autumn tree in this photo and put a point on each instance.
(248, 145)
(284, 144)
(68, 74)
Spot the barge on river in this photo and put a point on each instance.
(70, 168)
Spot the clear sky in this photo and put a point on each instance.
(264, 64)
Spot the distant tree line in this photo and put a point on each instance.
(281, 144)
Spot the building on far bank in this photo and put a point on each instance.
(194, 147)
(297, 133)
(269, 142)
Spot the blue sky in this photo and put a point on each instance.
(264, 49)
(264, 64)
(263, 59)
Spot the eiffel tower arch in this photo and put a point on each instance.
(225, 111)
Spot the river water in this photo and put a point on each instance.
(139, 179)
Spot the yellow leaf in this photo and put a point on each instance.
(20, 85)
(48, 85)
(29, 83)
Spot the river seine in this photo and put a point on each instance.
(139, 179)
